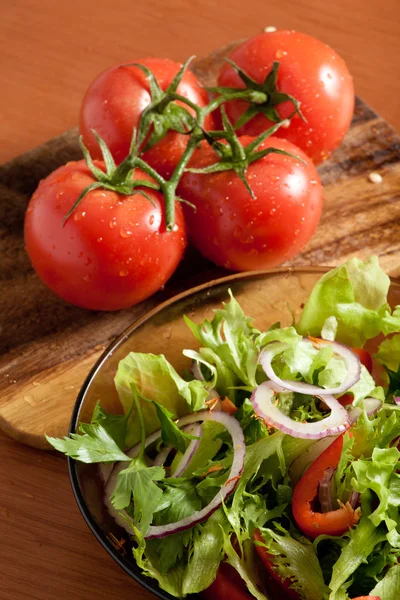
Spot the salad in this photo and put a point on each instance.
(271, 468)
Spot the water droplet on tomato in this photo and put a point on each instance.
(280, 53)
(237, 232)
(151, 220)
(228, 264)
(123, 272)
(99, 239)
(79, 215)
(125, 233)
(113, 222)
(175, 227)
(216, 241)
(88, 261)
(248, 240)
(272, 211)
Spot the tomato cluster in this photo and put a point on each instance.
(231, 168)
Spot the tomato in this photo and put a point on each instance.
(228, 585)
(313, 524)
(367, 598)
(241, 233)
(268, 561)
(309, 71)
(115, 101)
(112, 252)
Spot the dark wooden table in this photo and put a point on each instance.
(50, 52)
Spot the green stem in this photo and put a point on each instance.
(246, 95)
(141, 419)
(138, 162)
(186, 101)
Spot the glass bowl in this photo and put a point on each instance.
(266, 296)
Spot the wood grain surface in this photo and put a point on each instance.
(47, 346)
(50, 52)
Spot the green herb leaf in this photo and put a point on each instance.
(170, 432)
(93, 446)
(155, 379)
(136, 483)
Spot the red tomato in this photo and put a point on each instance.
(114, 103)
(268, 561)
(241, 233)
(367, 598)
(112, 252)
(228, 585)
(313, 524)
(309, 71)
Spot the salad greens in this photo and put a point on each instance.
(348, 305)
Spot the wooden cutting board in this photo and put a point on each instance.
(47, 346)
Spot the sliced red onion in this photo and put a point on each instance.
(351, 359)
(354, 499)
(191, 450)
(397, 400)
(197, 374)
(324, 490)
(306, 458)
(239, 447)
(371, 407)
(196, 370)
(263, 400)
(105, 470)
(239, 452)
(162, 456)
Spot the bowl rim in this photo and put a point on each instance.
(123, 336)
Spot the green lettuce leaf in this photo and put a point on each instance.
(298, 561)
(356, 295)
(230, 334)
(380, 475)
(389, 353)
(244, 565)
(155, 379)
(206, 554)
(146, 557)
(389, 587)
(363, 539)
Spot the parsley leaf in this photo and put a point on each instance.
(93, 446)
(137, 483)
(170, 432)
(115, 425)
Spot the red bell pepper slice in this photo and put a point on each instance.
(228, 585)
(313, 524)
